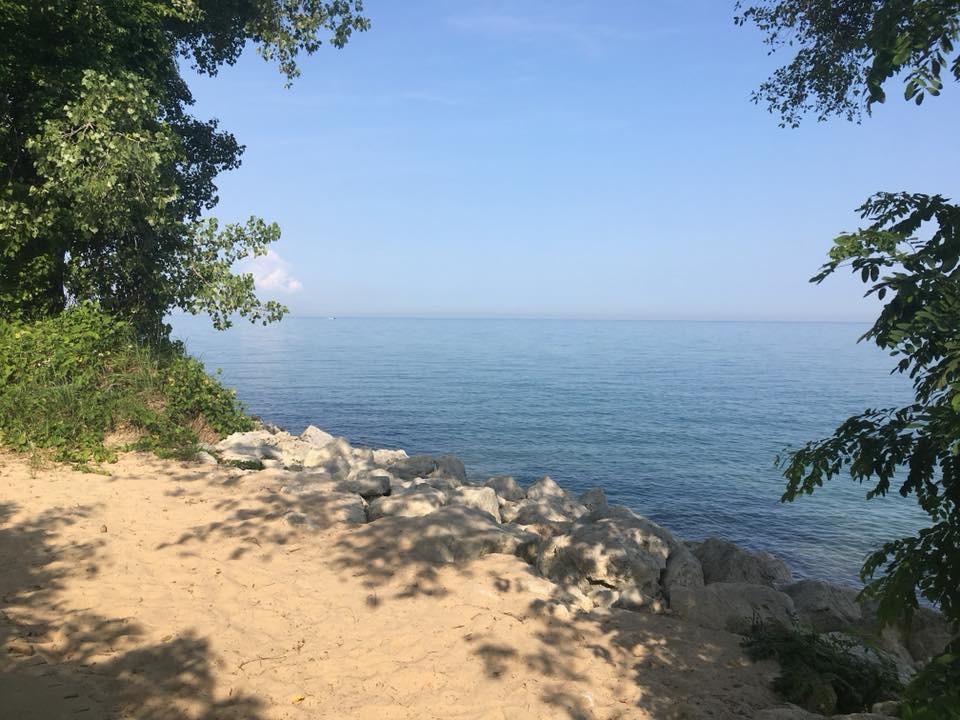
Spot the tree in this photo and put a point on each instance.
(105, 177)
(845, 50)
(909, 255)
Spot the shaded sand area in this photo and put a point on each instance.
(179, 590)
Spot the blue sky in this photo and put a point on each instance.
(557, 159)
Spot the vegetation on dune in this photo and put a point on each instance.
(72, 380)
(909, 255)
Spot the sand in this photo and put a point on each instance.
(176, 590)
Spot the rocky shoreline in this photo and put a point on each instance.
(599, 556)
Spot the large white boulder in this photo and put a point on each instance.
(601, 553)
(732, 606)
(415, 502)
(315, 436)
(680, 567)
(452, 534)
(724, 561)
(481, 498)
(546, 488)
(248, 446)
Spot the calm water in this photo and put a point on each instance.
(679, 420)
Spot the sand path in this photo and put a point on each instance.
(174, 590)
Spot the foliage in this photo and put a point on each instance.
(919, 325)
(105, 176)
(914, 449)
(935, 692)
(820, 672)
(845, 50)
(68, 381)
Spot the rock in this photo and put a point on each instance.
(248, 446)
(315, 436)
(603, 597)
(725, 562)
(369, 484)
(415, 502)
(539, 512)
(633, 599)
(896, 666)
(481, 498)
(887, 708)
(545, 489)
(860, 716)
(506, 487)
(447, 484)
(386, 457)
(680, 567)
(732, 606)
(601, 553)
(321, 510)
(205, 458)
(452, 534)
(271, 464)
(683, 570)
(451, 466)
(823, 606)
(928, 635)
(594, 499)
(786, 712)
(426, 466)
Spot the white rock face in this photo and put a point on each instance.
(723, 561)
(481, 498)
(248, 446)
(385, 457)
(545, 489)
(415, 502)
(732, 606)
(540, 512)
(315, 436)
(506, 487)
(823, 606)
(601, 553)
(452, 534)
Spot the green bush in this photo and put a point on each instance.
(820, 672)
(68, 381)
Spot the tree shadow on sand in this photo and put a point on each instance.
(60, 662)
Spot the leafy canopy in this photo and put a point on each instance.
(846, 50)
(105, 177)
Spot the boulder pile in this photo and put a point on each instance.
(599, 555)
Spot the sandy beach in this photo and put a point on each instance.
(178, 590)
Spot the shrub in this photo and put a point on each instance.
(820, 672)
(68, 381)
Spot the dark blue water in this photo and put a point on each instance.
(679, 420)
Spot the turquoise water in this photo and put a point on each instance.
(679, 420)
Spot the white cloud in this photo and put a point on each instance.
(271, 272)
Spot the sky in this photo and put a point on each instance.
(557, 159)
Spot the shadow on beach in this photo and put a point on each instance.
(59, 662)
